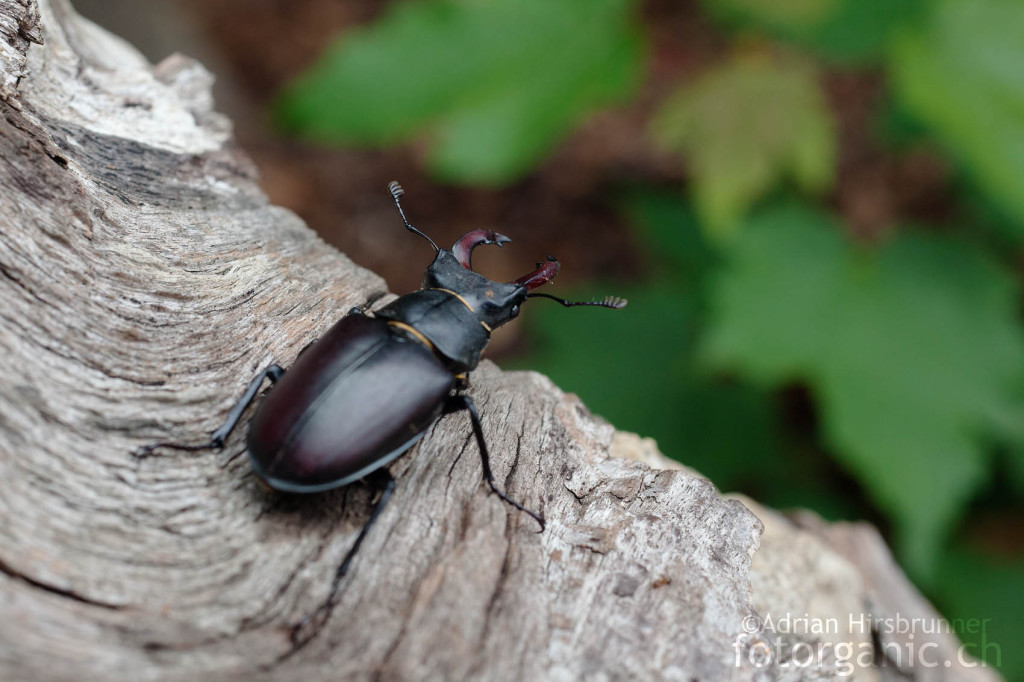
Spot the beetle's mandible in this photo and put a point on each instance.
(365, 392)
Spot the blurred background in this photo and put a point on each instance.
(815, 207)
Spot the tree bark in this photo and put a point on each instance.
(144, 278)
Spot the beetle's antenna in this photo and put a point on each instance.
(613, 302)
(396, 192)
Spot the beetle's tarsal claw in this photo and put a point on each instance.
(215, 443)
(307, 628)
(540, 520)
(505, 498)
(144, 451)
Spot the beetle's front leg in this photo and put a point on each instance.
(217, 439)
(457, 403)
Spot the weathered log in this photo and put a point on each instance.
(143, 279)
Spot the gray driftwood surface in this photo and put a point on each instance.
(144, 278)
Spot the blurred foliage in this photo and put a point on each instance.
(962, 73)
(771, 345)
(841, 31)
(493, 85)
(793, 15)
(887, 339)
(692, 413)
(978, 587)
(735, 158)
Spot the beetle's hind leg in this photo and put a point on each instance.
(301, 633)
(461, 402)
(217, 439)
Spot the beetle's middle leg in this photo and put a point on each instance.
(457, 403)
(217, 439)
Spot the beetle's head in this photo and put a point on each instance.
(494, 303)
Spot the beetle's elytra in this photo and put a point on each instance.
(362, 394)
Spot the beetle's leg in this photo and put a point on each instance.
(300, 635)
(385, 482)
(458, 403)
(217, 439)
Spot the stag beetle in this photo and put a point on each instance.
(365, 392)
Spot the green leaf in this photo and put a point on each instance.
(742, 129)
(914, 353)
(961, 73)
(792, 14)
(492, 85)
(842, 31)
(982, 597)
